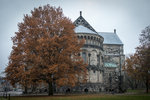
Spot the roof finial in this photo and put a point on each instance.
(115, 31)
(80, 13)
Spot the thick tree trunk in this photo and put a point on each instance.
(50, 88)
(25, 90)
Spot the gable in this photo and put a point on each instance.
(81, 21)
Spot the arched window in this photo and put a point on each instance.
(98, 60)
(84, 56)
(93, 58)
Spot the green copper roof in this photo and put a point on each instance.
(110, 64)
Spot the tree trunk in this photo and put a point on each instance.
(25, 90)
(50, 88)
(147, 84)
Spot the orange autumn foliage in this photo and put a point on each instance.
(132, 66)
(46, 48)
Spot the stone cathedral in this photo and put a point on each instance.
(103, 52)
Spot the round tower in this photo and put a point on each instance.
(92, 53)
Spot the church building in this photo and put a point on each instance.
(103, 52)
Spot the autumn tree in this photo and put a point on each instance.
(144, 58)
(139, 64)
(131, 68)
(144, 54)
(46, 49)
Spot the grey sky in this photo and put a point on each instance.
(129, 17)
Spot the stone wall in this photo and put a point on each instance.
(113, 61)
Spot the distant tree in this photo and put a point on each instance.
(144, 55)
(144, 58)
(145, 37)
(138, 65)
(131, 65)
(46, 49)
(132, 68)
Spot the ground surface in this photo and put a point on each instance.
(129, 95)
(86, 97)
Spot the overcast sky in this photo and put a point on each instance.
(128, 17)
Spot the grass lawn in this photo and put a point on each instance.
(86, 97)
(136, 91)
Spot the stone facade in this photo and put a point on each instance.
(103, 52)
(113, 60)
